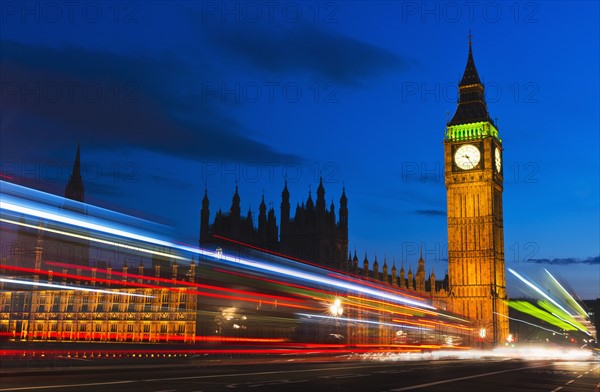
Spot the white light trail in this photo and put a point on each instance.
(568, 322)
(60, 286)
(9, 188)
(94, 239)
(572, 301)
(79, 223)
(538, 290)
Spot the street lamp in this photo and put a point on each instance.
(482, 333)
(336, 309)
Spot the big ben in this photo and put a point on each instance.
(473, 170)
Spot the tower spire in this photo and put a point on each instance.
(204, 215)
(470, 76)
(234, 211)
(472, 107)
(320, 196)
(75, 189)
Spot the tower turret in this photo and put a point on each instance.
(432, 282)
(74, 251)
(204, 217)
(235, 211)
(420, 275)
(344, 211)
(376, 269)
(262, 221)
(310, 205)
(271, 228)
(384, 275)
(75, 189)
(402, 276)
(285, 211)
(320, 206)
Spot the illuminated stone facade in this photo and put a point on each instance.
(119, 315)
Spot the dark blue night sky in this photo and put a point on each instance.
(167, 98)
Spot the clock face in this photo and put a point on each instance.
(467, 157)
(497, 159)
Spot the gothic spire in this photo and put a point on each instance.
(205, 198)
(285, 194)
(472, 107)
(309, 202)
(470, 76)
(75, 189)
(263, 206)
(320, 196)
(235, 203)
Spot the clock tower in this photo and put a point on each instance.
(474, 183)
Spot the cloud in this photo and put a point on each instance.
(431, 212)
(566, 261)
(104, 100)
(308, 49)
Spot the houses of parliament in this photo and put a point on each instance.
(314, 234)
(475, 285)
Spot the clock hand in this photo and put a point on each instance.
(466, 156)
